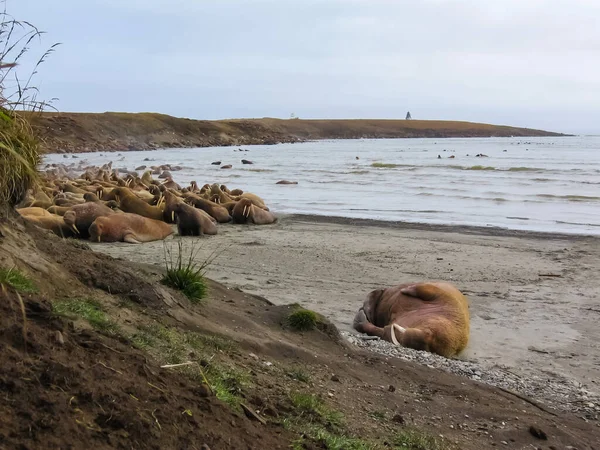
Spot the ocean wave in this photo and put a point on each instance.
(359, 172)
(578, 223)
(260, 170)
(571, 198)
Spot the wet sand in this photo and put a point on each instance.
(520, 319)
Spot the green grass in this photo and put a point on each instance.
(302, 320)
(384, 165)
(173, 346)
(312, 408)
(413, 439)
(378, 415)
(185, 274)
(299, 374)
(87, 309)
(17, 280)
(332, 441)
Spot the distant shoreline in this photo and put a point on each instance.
(112, 132)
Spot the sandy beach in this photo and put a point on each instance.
(534, 297)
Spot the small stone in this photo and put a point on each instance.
(268, 363)
(58, 336)
(538, 433)
(335, 378)
(252, 355)
(330, 394)
(504, 442)
(392, 388)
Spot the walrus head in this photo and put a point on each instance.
(69, 218)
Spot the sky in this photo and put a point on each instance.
(531, 63)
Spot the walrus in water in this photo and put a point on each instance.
(246, 212)
(430, 316)
(81, 217)
(193, 222)
(130, 228)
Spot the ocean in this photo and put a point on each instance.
(549, 184)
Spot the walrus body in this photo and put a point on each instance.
(131, 203)
(246, 212)
(430, 316)
(220, 213)
(83, 216)
(130, 228)
(33, 211)
(192, 221)
(54, 223)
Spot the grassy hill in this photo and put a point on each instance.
(87, 132)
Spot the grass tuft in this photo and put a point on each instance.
(302, 320)
(299, 374)
(87, 309)
(311, 407)
(17, 280)
(413, 439)
(185, 274)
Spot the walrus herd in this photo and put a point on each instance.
(103, 206)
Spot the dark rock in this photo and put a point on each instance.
(392, 388)
(335, 378)
(538, 433)
(398, 419)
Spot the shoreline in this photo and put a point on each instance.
(112, 131)
(492, 230)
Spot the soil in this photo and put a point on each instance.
(96, 390)
(89, 132)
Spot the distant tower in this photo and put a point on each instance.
(408, 117)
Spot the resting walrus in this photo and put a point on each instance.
(430, 316)
(128, 227)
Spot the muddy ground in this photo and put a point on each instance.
(74, 381)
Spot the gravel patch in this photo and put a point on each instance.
(553, 391)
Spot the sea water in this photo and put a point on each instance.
(547, 184)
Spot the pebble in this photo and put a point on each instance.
(553, 390)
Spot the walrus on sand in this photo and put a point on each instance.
(130, 228)
(217, 211)
(430, 316)
(192, 221)
(246, 212)
(131, 203)
(82, 216)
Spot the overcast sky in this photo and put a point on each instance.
(533, 63)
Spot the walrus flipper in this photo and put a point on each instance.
(131, 239)
(424, 291)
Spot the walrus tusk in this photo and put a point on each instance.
(118, 199)
(98, 238)
(75, 228)
(244, 211)
(395, 327)
(173, 216)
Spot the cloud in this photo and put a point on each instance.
(511, 61)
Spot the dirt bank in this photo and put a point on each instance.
(533, 296)
(83, 132)
(83, 370)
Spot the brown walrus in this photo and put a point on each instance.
(430, 316)
(193, 222)
(81, 217)
(54, 223)
(220, 213)
(131, 203)
(246, 212)
(33, 211)
(130, 228)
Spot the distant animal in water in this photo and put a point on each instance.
(216, 163)
(286, 182)
(245, 161)
(226, 166)
(429, 316)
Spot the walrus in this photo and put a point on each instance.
(33, 211)
(54, 223)
(220, 213)
(127, 227)
(226, 166)
(430, 316)
(81, 217)
(131, 203)
(246, 212)
(193, 222)
(286, 182)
